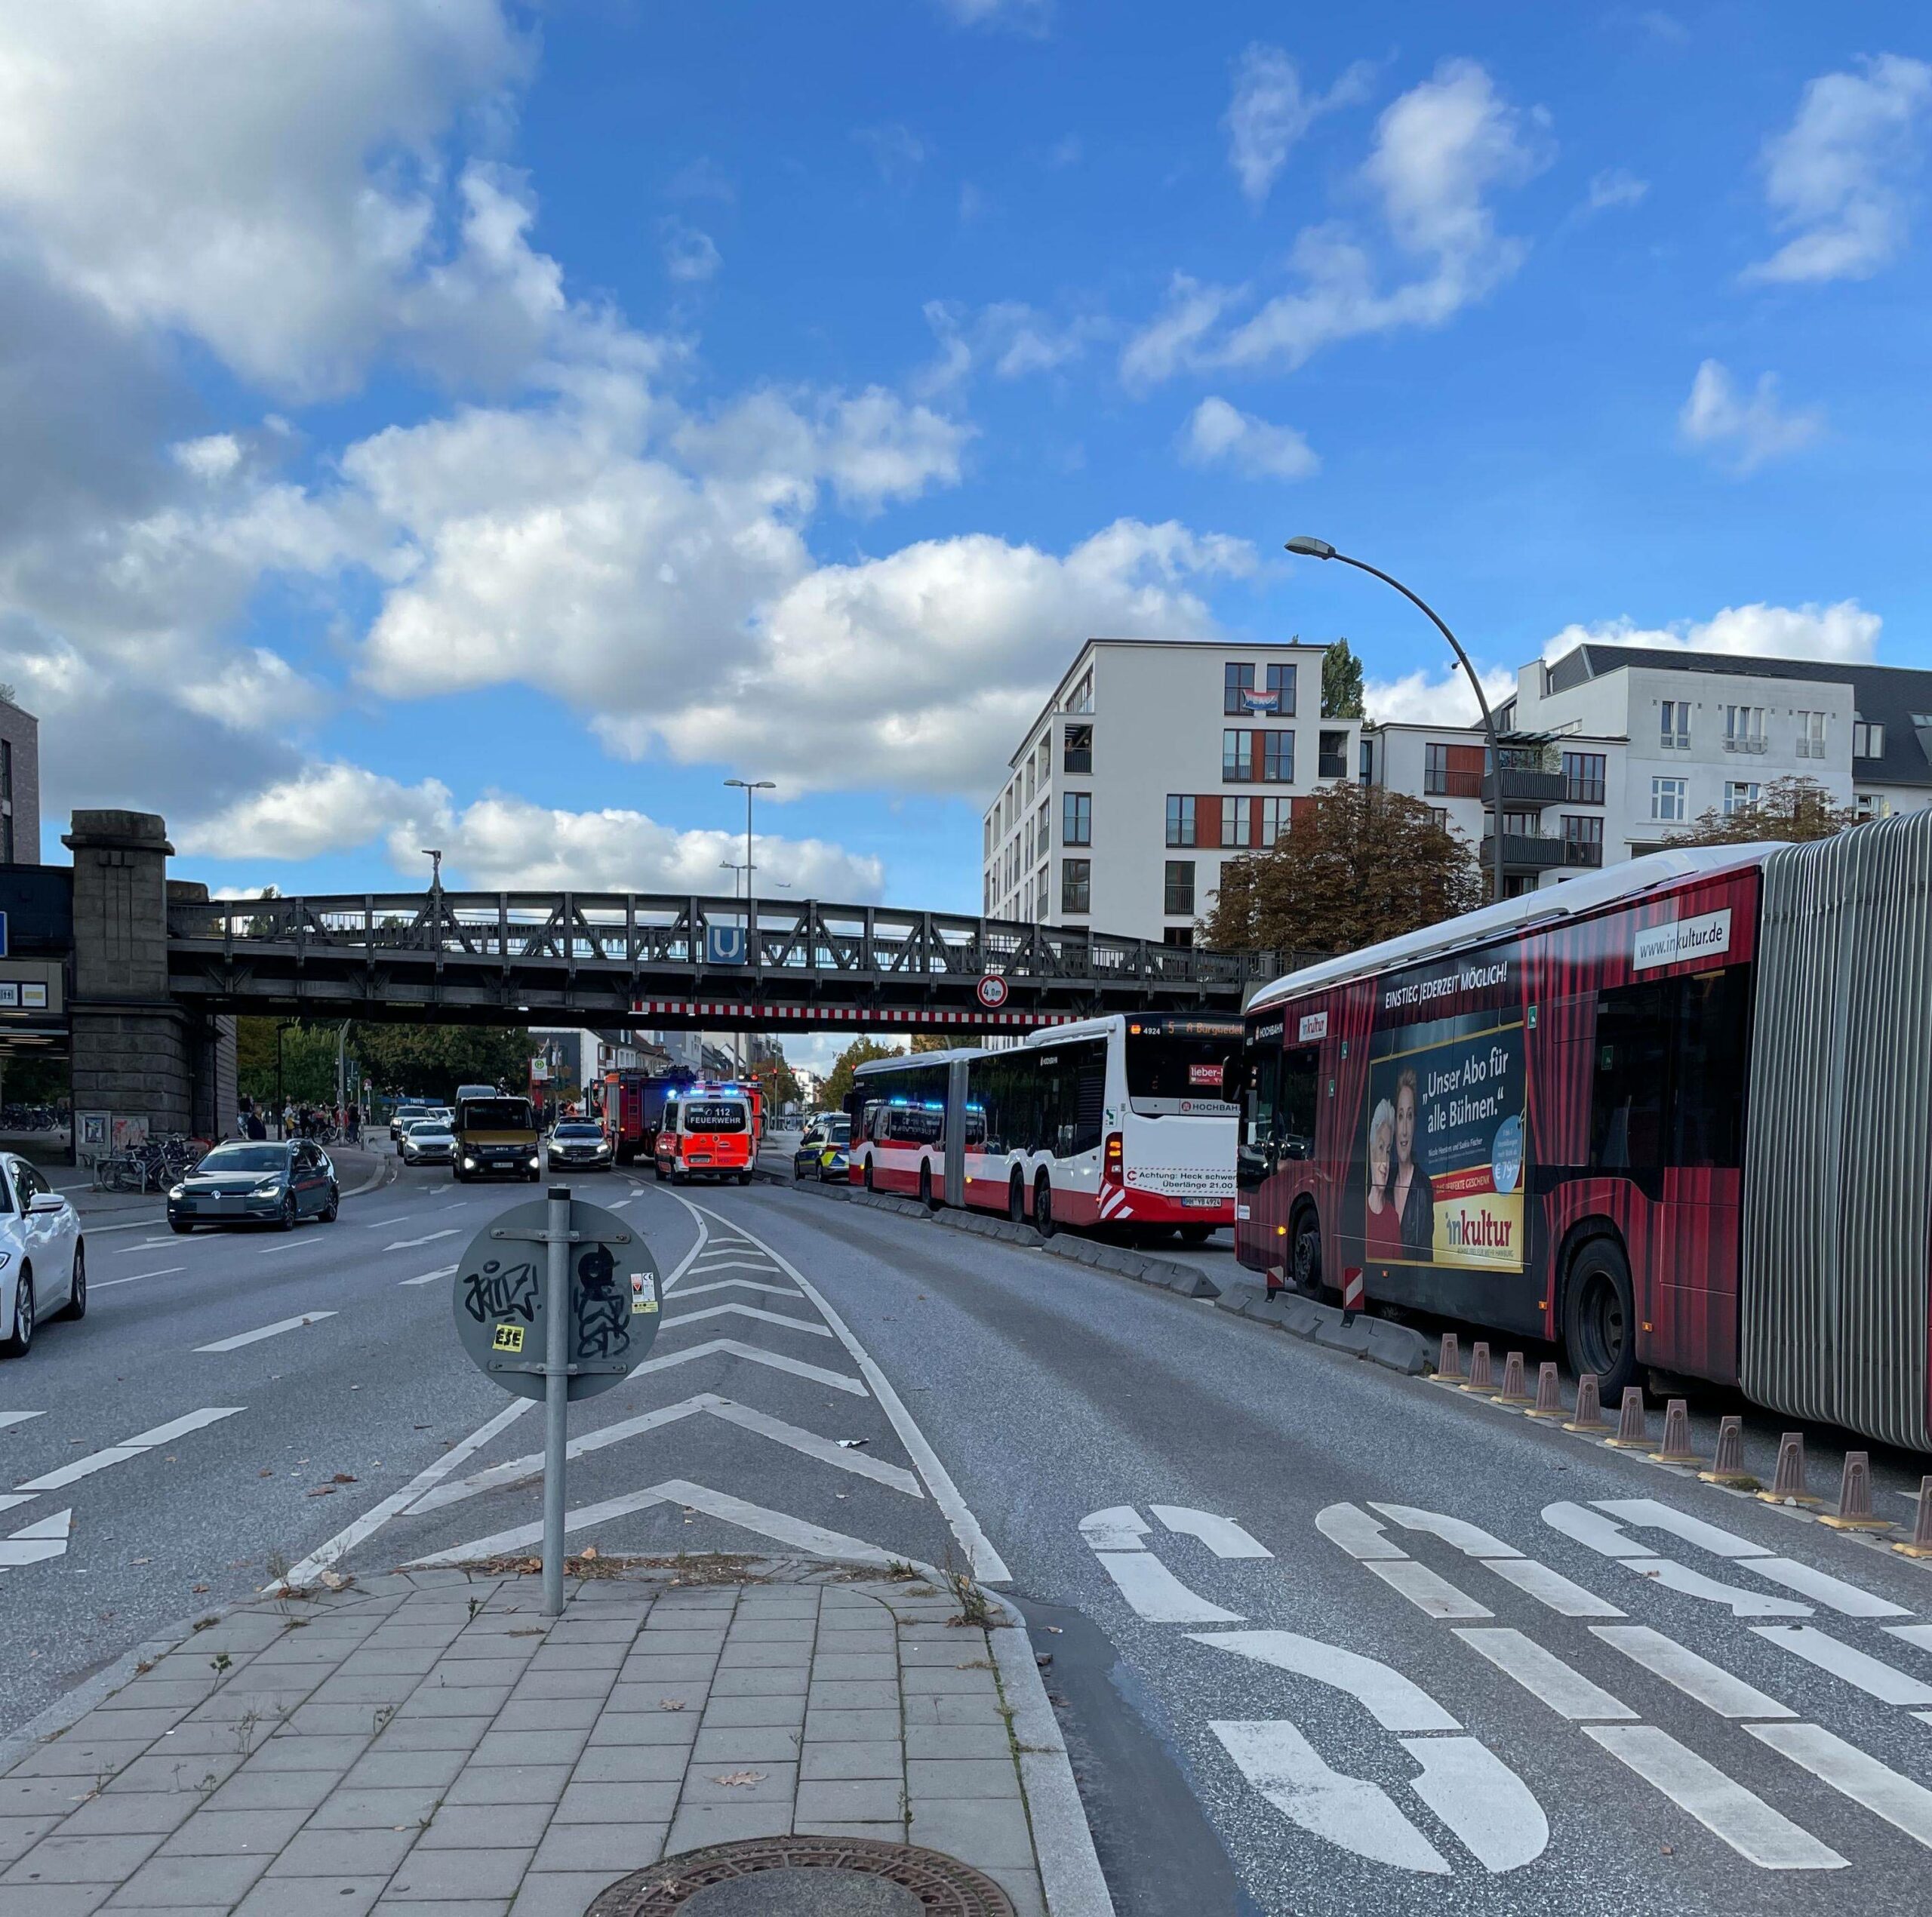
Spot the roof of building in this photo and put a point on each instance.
(1897, 697)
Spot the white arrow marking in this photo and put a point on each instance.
(1470, 1539)
(1433, 1596)
(684, 1318)
(1156, 1593)
(274, 1331)
(430, 1278)
(1833, 1592)
(161, 1434)
(1598, 1532)
(1350, 1813)
(742, 1284)
(1709, 1684)
(1221, 1536)
(1393, 1701)
(1356, 1532)
(1488, 1806)
(1117, 1528)
(17, 1417)
(1544, 1675)
(1695, 1584)
(1873, 1676)
(1648, 1514)
(1904, 1804)
(32, 1544)
(428, 1238)
(1731, 1813)
(797, 1366)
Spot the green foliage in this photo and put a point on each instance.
(308, 1062)
(1341, 683)
(432, 1059)
(838, 1081)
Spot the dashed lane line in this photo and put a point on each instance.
(17, 1417)
(146, 1245)
(145, 1441)
(274, 1331)
(107, 1284)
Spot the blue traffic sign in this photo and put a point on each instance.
(723, 945)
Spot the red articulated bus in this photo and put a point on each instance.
(1675, 1115)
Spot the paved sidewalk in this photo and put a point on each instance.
(427, 1742)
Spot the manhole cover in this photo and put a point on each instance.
(806, 1877)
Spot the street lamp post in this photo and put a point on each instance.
(748, 786)
(1308, 548)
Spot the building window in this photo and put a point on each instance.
(1275, 696)
(1874, 805)
(986, 836)
(1669, 800)
(1031, 786)
(1180, 819)
(1081, 698)
(1440, 813)
(1181, 935)
(1237, 756)
(1368, 762)
(1277, 758)
(1076, 819)
(1582, 777)
(1583, 839)
(1738, 793)
(1452, 772)
(1674, 732)
(987, 905)
(1868, 740)
(1332, 760)
(1237, 682)
(1237, 816)
(1811, 735)
(6, 775)
(1079, 757)
(1177, 888)
(1076, 885)
(1275, 814)
(1744, 728)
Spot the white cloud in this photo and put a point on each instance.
(1837, 177)
(1844, 631)
(1270, 113)
(896, 151)
(690, 256)
(273, 180)
(1743, 434)
(1021, 16)
(1441, 151)
(322, 809)
(1615, 187)
(1218, 433)
(1419, 698)
(1011, 339)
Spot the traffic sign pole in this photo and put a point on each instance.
(556, 1398)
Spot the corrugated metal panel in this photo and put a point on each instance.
(1838, 1174)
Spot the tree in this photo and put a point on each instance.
(433, 1059)
(1357, 863)
(308, 1062)
(838, 1082)
(1792, 807)
(1341, 683)
(931, 1042)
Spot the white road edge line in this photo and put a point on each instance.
(430, 1278)
(274, 1331)
(986, 1563)
(104, 1284)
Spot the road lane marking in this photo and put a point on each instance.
(146, 1245)
(1590, 1527)
(146, 1441)
(1356, 1532)
(1901, 1803)
(796, 1366)
(705, 1270)
(1872, 1675)
(1156, 1594)
(1350, 1812)
(34, 1543)
(746, 1311)
(985, 1564)
(17, 1417)
(1433, 1595)
(428, 1238)
(1709, 1685)
(1543, 1675)
(274, 1331)
(796, 1532)
(1221, 1536)
(376, 1225)
(1396, 1703)
(745, 1283)
(1917, 1635)
(1647, 1514)
(107, 1284)
(1119, 1527)
(1484, 1802)
(430, 1278)
(1833, 1592)
(1552, 1589)
(291, 1243)
(1732, 1814)
(1470, 1539)
(1695, 1584)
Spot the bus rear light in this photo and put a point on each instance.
(1114, 1169)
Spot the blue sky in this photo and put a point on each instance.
(461, 422)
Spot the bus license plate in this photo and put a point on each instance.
(1199, 1205)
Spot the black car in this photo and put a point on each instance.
(260, 1182)
(578, 1142)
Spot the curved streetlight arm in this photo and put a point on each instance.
(1475, 685)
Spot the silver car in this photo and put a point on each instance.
(427, 1141)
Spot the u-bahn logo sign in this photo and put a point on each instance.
(991, 992)
(723, 945)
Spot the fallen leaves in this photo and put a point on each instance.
(670, 1703)
(320, 1490)
(344, 1478)
(739, 1779)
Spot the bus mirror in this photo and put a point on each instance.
(1231, 1081)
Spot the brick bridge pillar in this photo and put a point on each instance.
(136, 1053)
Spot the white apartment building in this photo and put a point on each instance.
(1154, 760)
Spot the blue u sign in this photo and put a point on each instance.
(723, 945)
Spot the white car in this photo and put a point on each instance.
(43, 1262)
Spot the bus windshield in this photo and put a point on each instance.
(1177, 1069)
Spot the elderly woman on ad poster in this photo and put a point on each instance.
(1381, 1229)
(1415, 1199)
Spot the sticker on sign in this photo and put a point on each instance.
(1703, 936)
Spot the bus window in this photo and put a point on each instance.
(1169, 1071)
(1628, 1096)
(1301, 1080)
(1712, 1033)
(1254, 1156)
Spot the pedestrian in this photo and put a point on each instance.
(256, 1129)
(352, 1129)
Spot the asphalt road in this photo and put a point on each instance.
(1324, 1638)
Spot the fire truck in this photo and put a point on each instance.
(633, 1106)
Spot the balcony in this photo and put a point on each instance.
(1524, 851)
(1523, 786)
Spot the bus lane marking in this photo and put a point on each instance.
(1221, 1536)
(1544, 1675)
(1872, 1675)
(1904, 1804)
(1707, 1684)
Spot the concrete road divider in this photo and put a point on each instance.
(1633, 1431)
(1449, 1361)
(1549, 1391)
(1727, 1466)
(1788, 1486)
(1589, 1417)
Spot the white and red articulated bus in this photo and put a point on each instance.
(1115, 1121)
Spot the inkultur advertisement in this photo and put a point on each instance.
(1442, 1178)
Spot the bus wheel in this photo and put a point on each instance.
(1599, 1324)
(1043, 1205)
(926, 1187)
(1304, 1270)
(1016, 1200)
(869, 1174)
(1196, 1234)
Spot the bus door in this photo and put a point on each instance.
(1281, 1103)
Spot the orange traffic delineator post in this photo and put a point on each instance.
(1549, 1391)
(1449, 1365)
(1854, 1511)
(1633, 1434)
(1676, 1435)
(1480, 1378)
(1788, 1486)
(1589, 1407)
(1727, 1467)
(1920, 1545)
(1514, 1391)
